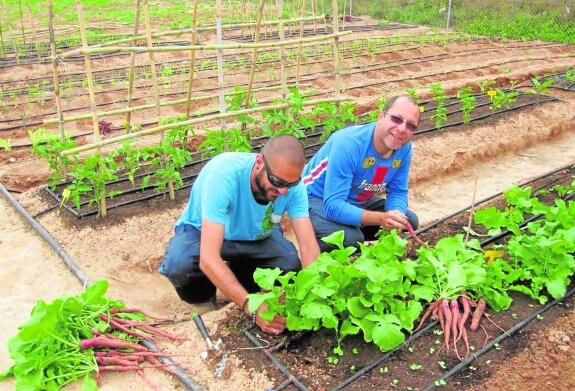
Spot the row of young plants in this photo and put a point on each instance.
(159, 165)
(380, 293)
(89, 176)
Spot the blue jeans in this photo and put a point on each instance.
(352, 234)
(181, 263)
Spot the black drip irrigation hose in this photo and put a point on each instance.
(182, 376)
(506, 334)
(522, 184)
(381, 359)
(291, 379)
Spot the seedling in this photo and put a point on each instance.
(442, 364)
(5, 145)
(415, 367)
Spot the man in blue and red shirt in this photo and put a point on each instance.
(358, 181)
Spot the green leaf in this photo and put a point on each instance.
(265, 278)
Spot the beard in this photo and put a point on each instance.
(260, 194)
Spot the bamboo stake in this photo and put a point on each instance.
(55, 72)
(150, 106)
(132, 67)
(471, 210)
(157, 49)
(151, 131)
(281, 35)
(22, 22)
(155, 88)
(220, 61)
(298, 56)
(2, 41)
(337, 86)
(192, 64)
(204, 28)
(90, 77)
(254, 54)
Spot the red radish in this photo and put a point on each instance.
(114, 360)
(135, 310)
(429, 311)
(448, 319)
(478, 314)
(414, 235)
(456, 317)
(110, 344)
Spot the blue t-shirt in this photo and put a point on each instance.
(222, 194)
(347, 172)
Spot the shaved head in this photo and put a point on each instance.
(286, 147)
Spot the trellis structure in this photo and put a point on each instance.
(153, 47)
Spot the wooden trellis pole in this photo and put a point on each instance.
(298, 56)
(148, 106)
(220, 61)
(22, 22)
(155, 86)
(132, 66)
(159, 49)
(254, 54)
(90, 77)
(55, 72)
(336, 58)
(2, 40)
(281, 35)
(192, 63)
(158, 129)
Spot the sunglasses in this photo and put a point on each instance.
(274, 180)
(398, 121)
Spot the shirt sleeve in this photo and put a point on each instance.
(298, 203)
(342, 160)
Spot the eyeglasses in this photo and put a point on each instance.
(274, 180)
(398, 121)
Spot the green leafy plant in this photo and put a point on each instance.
(367, 294)
(89, 177)
(541, 87)
(503, 100)
(49, 146)
(440, 97)
(6, 145)
(465, 95)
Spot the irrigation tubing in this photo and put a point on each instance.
(184, 378)
(522, 184)
(46, 236)
(282, 368)
(506, 334)
(381, 359)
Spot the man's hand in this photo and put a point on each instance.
(393, 219)
(276, 326)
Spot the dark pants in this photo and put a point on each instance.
(181, 261)
(352, 234)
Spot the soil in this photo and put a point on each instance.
(451, 170)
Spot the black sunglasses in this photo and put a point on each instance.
(274, 180)
(398, 121)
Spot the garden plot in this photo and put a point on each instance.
(126, 246)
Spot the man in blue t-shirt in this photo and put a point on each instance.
(357, 182)
(231, 225)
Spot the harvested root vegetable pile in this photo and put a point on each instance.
(75, 337)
